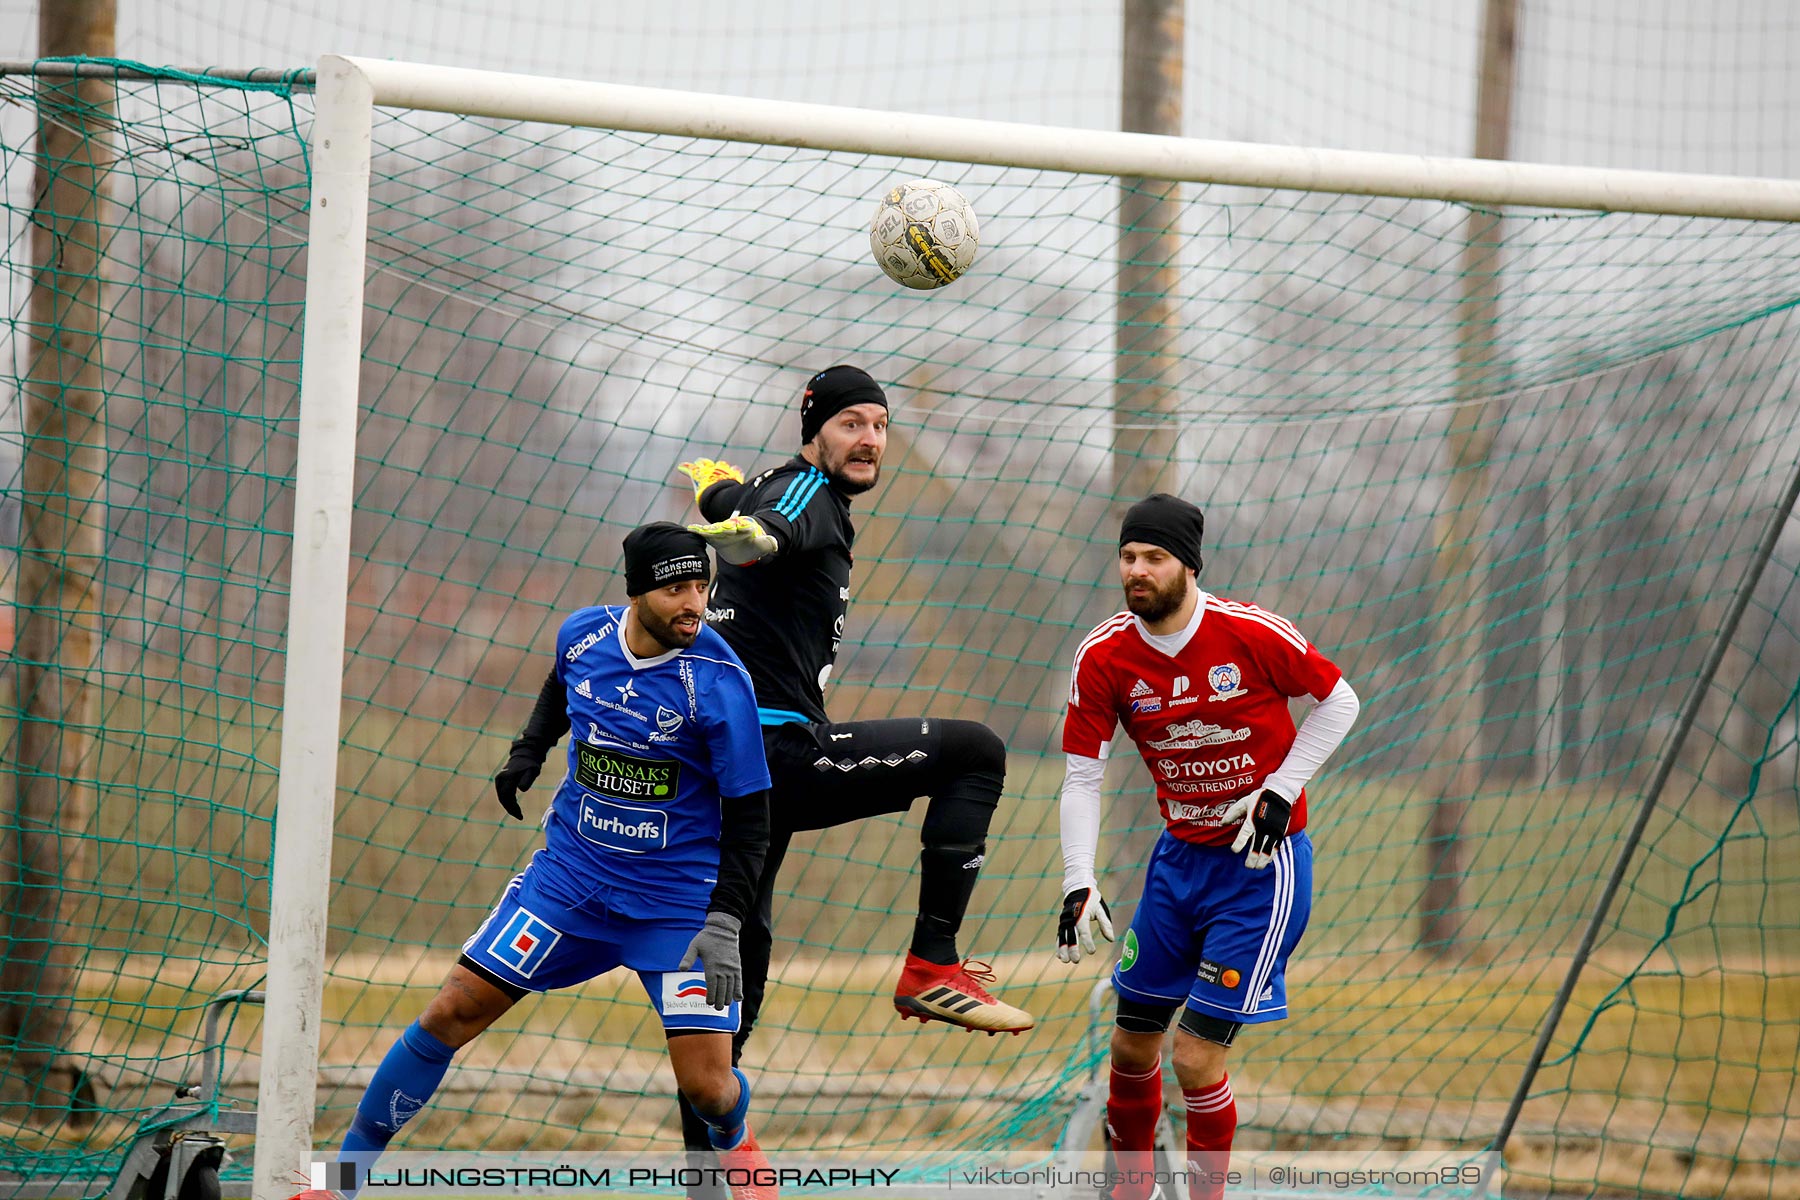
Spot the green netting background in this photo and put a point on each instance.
(1518, 537)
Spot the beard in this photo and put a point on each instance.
(663, 631)
(1161, 602)
(834, 471)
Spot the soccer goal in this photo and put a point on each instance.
(1516, 443)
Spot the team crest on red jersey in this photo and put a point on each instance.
(1226, 680)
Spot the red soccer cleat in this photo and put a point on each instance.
(953, 993)
(758, 1178)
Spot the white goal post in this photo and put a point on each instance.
(348, 90)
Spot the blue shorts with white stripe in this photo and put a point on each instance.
(1215, 934)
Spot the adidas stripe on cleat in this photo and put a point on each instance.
(953, 993)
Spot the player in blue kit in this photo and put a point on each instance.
(654, 843)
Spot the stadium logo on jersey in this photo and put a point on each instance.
(625, 776)
(622, 827)
(588, 641)
(685, 992)
(1149, 705)
(720, 614)
(1191, 735)
(1226, 681)
(584, 691)
(524, 942)
(1140, 688)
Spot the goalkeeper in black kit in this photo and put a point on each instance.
(783, 542)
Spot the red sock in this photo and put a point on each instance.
(1133, 1104)
(1211, 1122)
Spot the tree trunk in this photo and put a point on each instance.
(1461, 563)
(61, 544)
(1145, 431)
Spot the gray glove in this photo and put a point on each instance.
(715, 947)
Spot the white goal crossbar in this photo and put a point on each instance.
(348, 91)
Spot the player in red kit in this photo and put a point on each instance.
(1202, 686)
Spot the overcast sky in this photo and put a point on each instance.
(1661, 84)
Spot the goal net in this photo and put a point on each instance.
(1525, 472)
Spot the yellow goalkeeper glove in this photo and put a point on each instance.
(707, 471)
(741, 540)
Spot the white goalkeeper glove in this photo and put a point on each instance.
(707, 471)
(1073, 936)
(1265, 817)
(740, 540)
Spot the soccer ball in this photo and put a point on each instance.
(924, 234)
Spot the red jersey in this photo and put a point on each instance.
(1211, 719)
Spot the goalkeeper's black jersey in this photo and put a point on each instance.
(784, 614)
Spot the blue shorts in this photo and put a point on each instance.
(526, 944)
(1216, 934)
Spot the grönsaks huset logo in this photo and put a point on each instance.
(608, 772)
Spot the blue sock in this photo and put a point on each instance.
(726, 1130)
(403, 1083)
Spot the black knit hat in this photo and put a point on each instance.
(1166, 521)
(833, 390)
(662, 553)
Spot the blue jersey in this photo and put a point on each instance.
(653, 744)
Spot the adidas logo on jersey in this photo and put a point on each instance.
(584, 691)
(1142, 689)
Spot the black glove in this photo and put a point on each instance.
(519, 773)
(715, 947)
(1265, 824)
(1073, 937)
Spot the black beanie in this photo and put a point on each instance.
(662, 553)
(1166, 521)
(833, 390)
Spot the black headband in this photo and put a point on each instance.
(1166, 521)
(662, 553)
(830, 392)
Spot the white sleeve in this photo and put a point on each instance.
(1319, 734)
(1080, 819)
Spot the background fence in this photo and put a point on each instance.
(1519, 527)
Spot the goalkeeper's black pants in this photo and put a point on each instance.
(827, 775)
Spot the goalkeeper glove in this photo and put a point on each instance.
(715, 948)
(1265, 819)
(519, 773)
(740, 540)
(707, 471)
(1073, 937)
